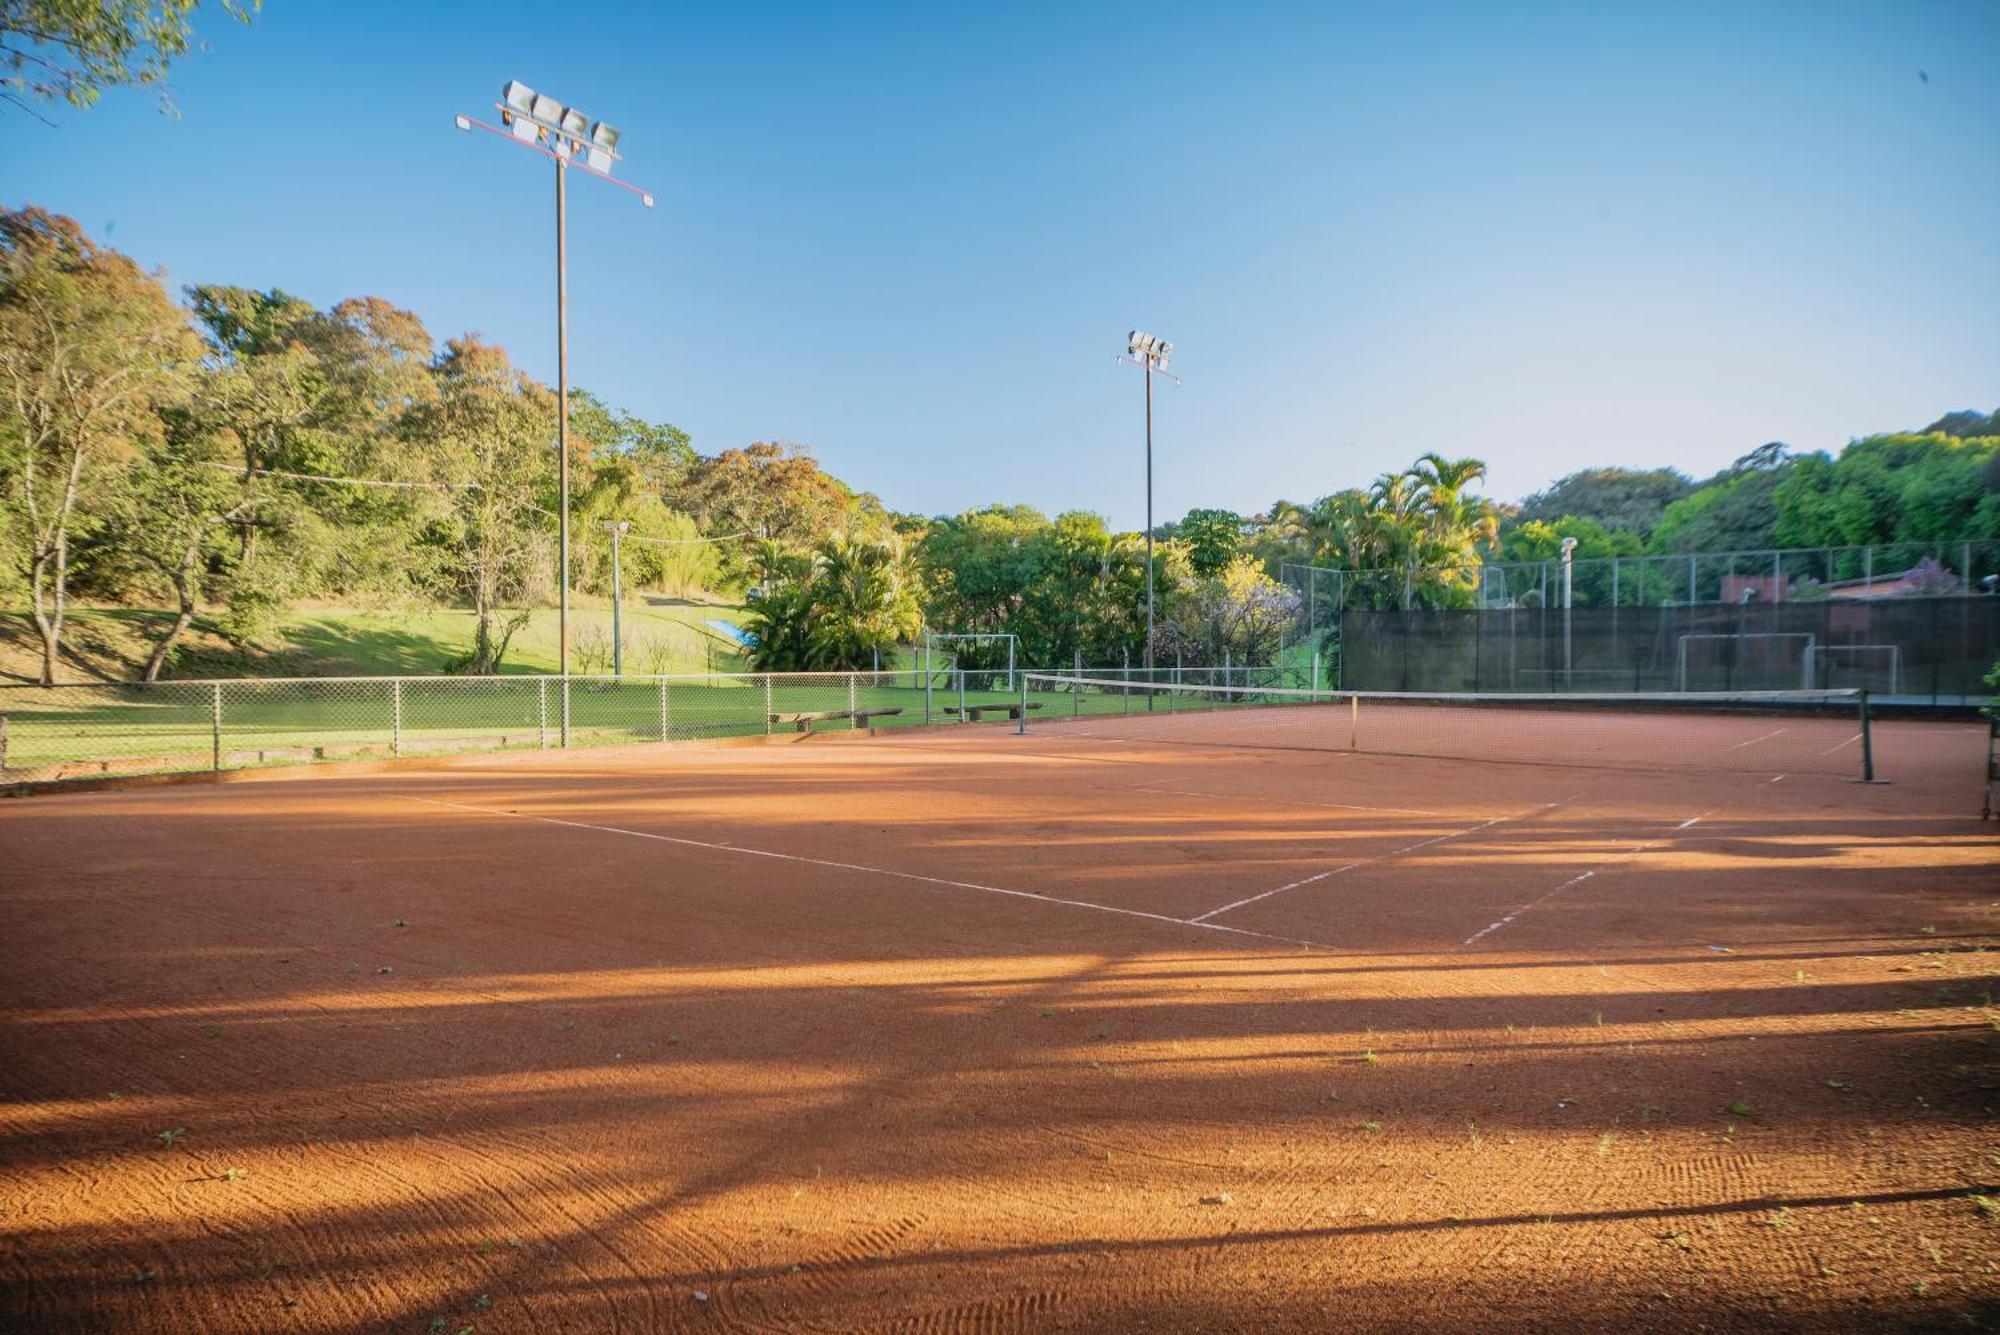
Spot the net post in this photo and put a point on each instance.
(542, 712)
(1354, 722)
(960, 674)
(1022, 728)
(215, 724)
(396, 716)
(1867, 741)
(852, 704)
(666, 712)
(767, 704)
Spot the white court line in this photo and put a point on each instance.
(1842, 746)
(1497, 924)
(1284, 801)
(871, 871)
(1335, 871)
(1754, 740)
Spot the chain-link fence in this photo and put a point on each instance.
(1912, 569)
(123, 728)
(1902, 650)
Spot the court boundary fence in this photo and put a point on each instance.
(106, 728)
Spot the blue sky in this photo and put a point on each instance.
(913, 237)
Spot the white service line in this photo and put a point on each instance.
(871, 871)
(1497, 924)
(1364, 862)
(1842, 746)
(1754, 740)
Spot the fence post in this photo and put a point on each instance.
(396, 711)
(542, 711)
(767, 704)
(666, 712)
(215, 722)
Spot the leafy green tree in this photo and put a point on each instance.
(169, 531)
(1237, 614)
(485, 441)
(90, 349)
(833, 610)
(1737, 510)
(1213, 538)
(72, 50)
(1631, 499)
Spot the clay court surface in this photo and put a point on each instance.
(970, 1031)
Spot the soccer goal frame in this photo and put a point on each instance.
(943, 637)
(1827, 654)
(1811, 641)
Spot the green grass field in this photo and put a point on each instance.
(174, 725)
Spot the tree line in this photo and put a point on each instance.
(222, 454)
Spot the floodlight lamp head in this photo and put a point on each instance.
(517, 108)
(603, 147)
(463, 123)
(1568, 548)
(574, 123)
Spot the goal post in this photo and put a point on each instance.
(1878, 666)
(1751, 650)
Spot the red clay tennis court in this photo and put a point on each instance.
(1125, 1023)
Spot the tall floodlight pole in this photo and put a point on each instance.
(571, 139)
(616, 528)
(1149, 353)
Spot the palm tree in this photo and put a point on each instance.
(832, 608)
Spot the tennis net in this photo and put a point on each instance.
(1764, 732)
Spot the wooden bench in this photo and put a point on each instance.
(972, 713)
(804, 721)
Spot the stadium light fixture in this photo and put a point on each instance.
(1149, 353)
(603, 147)
(543, 123)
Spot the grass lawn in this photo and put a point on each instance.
(173, 725)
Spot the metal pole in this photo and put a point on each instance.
(215, 722)
(767, 704)
(1867, 742)
(617, 617)
(666, 712)
(1569, 592)
(396, 709)
(1023, 728)
(1148, 369)
(562, 432)
(542, 711)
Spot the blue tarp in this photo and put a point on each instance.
(733, 631)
